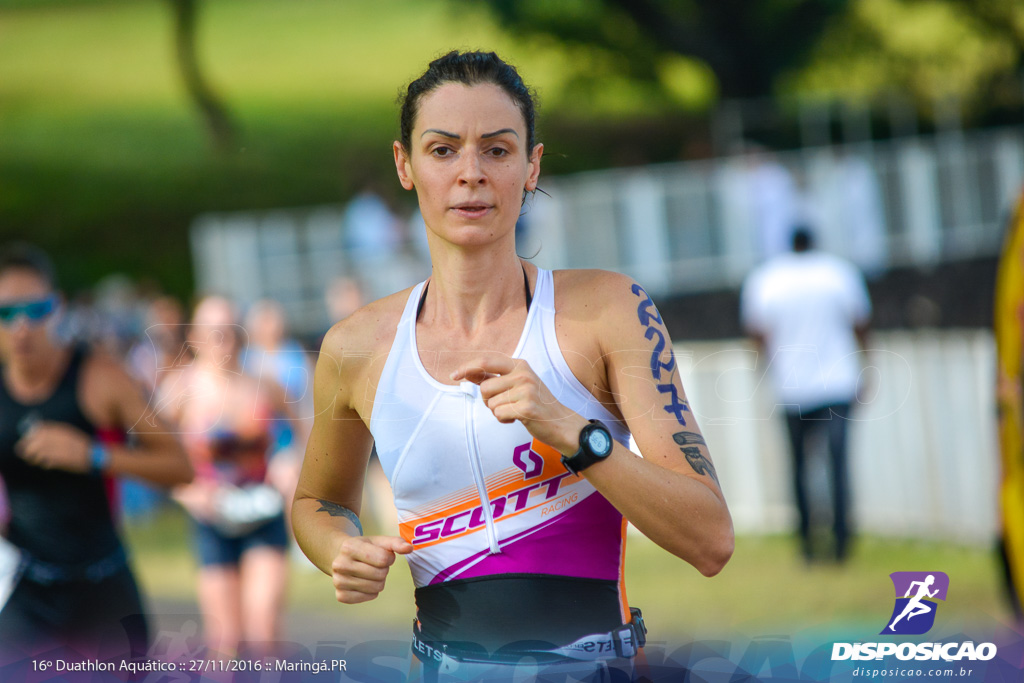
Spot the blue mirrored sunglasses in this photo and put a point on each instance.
(34, 311)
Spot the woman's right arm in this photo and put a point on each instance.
(325, 514)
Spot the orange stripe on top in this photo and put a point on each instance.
(623, 603)
(411, 529)
(467, 493)
(552, 467)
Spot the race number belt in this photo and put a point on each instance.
(47, 573)
(623, 642)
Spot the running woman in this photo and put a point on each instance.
(236, 503)
(64, 415)
(501, 398)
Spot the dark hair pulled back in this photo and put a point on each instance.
(25, 256)
(468, 68)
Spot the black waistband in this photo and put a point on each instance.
(623, 642)
(48, 573)
(490, 612)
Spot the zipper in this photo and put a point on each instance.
(471, 392)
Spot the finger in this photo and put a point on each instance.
(360, 577)
(507, 413)
(495, 386)
(470, 374)
(28, 443)
(28, 450)
(352, 589)
(483, 367)
(362, 549)
(395, 544)
(354, 597)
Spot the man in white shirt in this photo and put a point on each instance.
(808, 312)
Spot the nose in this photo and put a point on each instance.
(471, 171)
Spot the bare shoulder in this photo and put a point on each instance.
(367, 331)
(354, 350)
(101, 371)
(594, 311)
(106, 388)
(595, 296)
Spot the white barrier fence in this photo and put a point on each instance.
(680, 227)
(924, 454)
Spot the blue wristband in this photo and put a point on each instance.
(99, 458)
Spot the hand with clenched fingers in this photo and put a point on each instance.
(361, 564)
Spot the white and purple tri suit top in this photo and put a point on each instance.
(508, 546)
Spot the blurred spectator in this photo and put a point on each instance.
(225, 418)
(856, 213)
(343, 296)
(120, 312)
(162, 345)
(160, 349)
(774, 202)
(369, 229)
(808, 313)
(81, 322)
(272, 355)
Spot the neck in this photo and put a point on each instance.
(38, 368)
(472, 287)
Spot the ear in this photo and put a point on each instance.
(403, 165)
(534, 169)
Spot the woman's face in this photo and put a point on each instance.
(468, 163)
(214, 334)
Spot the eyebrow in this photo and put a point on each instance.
(456, 136)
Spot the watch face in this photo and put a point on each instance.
(599, 442)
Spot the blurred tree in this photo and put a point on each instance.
(971, 51)
(746, 44)
(218, 123)
(925, 50)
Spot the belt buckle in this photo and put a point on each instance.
(620, 637)
(641, 627)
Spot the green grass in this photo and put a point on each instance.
(104, 162)
(764, 590)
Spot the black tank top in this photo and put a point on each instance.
(56, 516)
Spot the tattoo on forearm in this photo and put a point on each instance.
(699, 462)
(689, 439)
(335, 510)
(648, 315)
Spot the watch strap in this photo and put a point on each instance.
(99, 457)
(584, 457)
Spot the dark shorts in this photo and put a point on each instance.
(94, 618)
(214, 548)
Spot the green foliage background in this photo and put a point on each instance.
(104, 162)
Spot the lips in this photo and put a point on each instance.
(472, 209)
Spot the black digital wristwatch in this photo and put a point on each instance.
(595, 445)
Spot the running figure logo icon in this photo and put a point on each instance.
(914, 612)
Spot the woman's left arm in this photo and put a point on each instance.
(672, 493)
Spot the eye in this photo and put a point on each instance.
(497, 152)
(442, 151)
